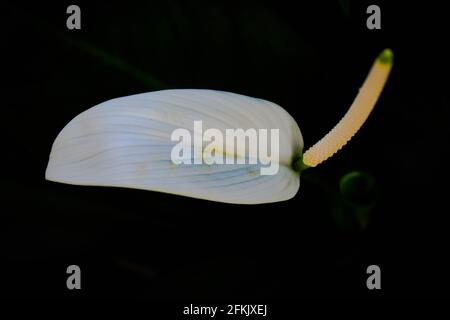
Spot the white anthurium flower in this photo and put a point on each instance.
(131, 142)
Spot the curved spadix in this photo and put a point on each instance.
(356, 115)
(128, 142)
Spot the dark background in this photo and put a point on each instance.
(309, 57)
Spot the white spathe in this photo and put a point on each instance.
(126, 142)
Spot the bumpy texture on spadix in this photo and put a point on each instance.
(356, 115)
(125, 142)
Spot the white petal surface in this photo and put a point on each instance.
(125, 142)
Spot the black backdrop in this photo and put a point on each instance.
(308, 57)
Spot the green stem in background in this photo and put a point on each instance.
(116, 62)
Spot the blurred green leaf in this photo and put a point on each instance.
(357, 198)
